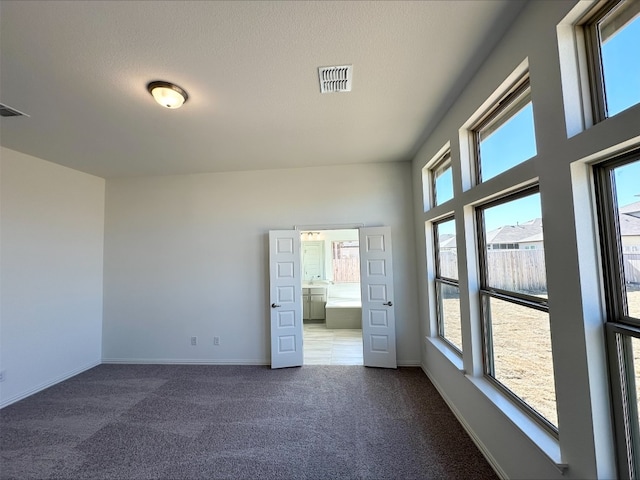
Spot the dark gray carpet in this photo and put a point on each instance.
(237, 422)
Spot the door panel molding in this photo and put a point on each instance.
(376, 284)
(285, 302)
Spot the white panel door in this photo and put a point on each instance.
(376, 283)
(313, 260)
(285, 298)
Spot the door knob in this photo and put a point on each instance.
(388, 304)
(273, 305)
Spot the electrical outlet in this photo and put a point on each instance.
(3, 375)
(216, 340)
(194, 340)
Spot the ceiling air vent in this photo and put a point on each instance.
(335, 79)
(7, 111)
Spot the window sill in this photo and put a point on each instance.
(544, 441)
(445, 349)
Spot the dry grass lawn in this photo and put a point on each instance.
(522, 350)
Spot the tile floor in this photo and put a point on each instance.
(340, 346)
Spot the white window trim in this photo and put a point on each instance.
(428, 197)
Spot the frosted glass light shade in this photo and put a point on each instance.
(167, 94)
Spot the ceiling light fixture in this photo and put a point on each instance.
(167, 94)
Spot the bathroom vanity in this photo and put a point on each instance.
(314, 299)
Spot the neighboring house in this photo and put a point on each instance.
(523, 236)
(630, 227)
(447, 242)
(632, 209)
(529, 235)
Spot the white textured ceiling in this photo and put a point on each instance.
(80, 70)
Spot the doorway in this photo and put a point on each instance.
(376, 286)
(331, 298)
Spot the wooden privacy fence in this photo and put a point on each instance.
(346, 270)
(523, 270)
(517, 270)
(514, 270)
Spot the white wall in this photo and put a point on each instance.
(52, 221)
(518, 449)
(187, 256)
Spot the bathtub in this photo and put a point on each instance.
(343, 308)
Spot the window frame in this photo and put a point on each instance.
(487, 292)
(498, 110)
(590, 23)
(620, 326)
(622, 382)
(443, 162)
(439, 279)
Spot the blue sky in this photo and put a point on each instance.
(511, 213)
(628, 183)
(513, 143)
(621, 66)
(447, 227)
(444, 186)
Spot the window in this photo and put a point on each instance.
(513, 289)
(503, 246)
(345, 260)
(613, 36)
(447, 287)
(619, 219)
(442, 180)
(505, 136)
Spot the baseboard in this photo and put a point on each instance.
(199, 361)
(182, 361)
(409, 363)
(483, 449)
(47, 384)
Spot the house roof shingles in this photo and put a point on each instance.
(629, 224)
(531, 231)
(632, 209)
(523, 232)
